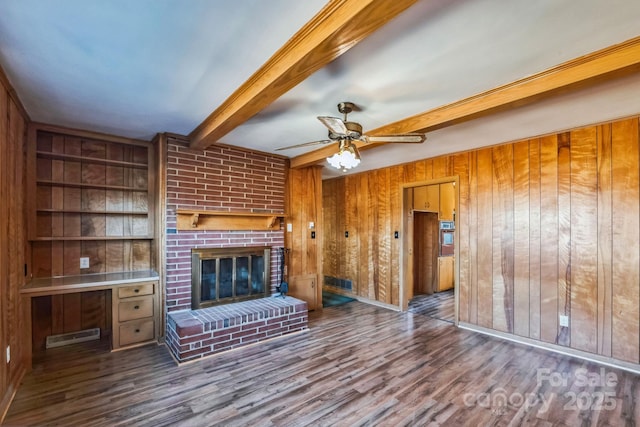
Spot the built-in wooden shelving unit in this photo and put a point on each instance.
(92, 207)
(92, 190)
(190, 219)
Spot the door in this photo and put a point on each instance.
(304, 287)
(425, 259)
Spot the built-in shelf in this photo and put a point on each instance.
(81, 211)
(85, 185)
(73, 238)
(189, 219)
(93, 160)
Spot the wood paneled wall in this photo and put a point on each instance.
(13, 123)
(547, 227)
(303, 206)
(361, 214)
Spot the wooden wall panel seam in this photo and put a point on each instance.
(549, 239)
(604, 240)
(534, 239)
(564, 234)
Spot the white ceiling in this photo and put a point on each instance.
(138, 67)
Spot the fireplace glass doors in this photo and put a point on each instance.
(224, 275)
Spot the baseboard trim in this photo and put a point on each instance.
(377, 303)
(590, 357)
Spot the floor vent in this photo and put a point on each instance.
(73, 337)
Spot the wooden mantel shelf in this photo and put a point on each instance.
(189, 219)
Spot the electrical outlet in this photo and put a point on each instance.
(84, 262)
(289, 227)
(8, 353)
(564, 320)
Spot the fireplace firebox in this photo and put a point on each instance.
(226, 275)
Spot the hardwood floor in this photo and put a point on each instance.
(357, 365)
(439, 305)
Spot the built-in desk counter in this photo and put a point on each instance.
(135, 303)
(86, 282)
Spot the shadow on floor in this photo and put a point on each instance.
(440, 305)
(329, 299)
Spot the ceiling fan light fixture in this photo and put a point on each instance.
(346, 158)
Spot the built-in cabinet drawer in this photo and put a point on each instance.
(135, 308)
(136, 331)
(136, 290)
(135, 314)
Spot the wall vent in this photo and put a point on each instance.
(73, 337)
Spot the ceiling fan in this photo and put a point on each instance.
(345, 132)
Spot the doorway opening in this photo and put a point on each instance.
(433, 283)
(430, 271)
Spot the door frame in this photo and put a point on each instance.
(407, 254)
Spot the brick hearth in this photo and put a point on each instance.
(193, 334)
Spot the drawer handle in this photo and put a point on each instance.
(136, 290)
(136, 307)
(137, 330)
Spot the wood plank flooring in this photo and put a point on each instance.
(439, 305)
(358, 365)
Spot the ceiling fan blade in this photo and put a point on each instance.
(334, 124)
(406, 138)
(305, 144)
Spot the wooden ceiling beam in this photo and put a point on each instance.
(340, 25)
(595, 67)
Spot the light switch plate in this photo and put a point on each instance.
(84, 262)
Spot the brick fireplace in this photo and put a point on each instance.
(224, 178)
